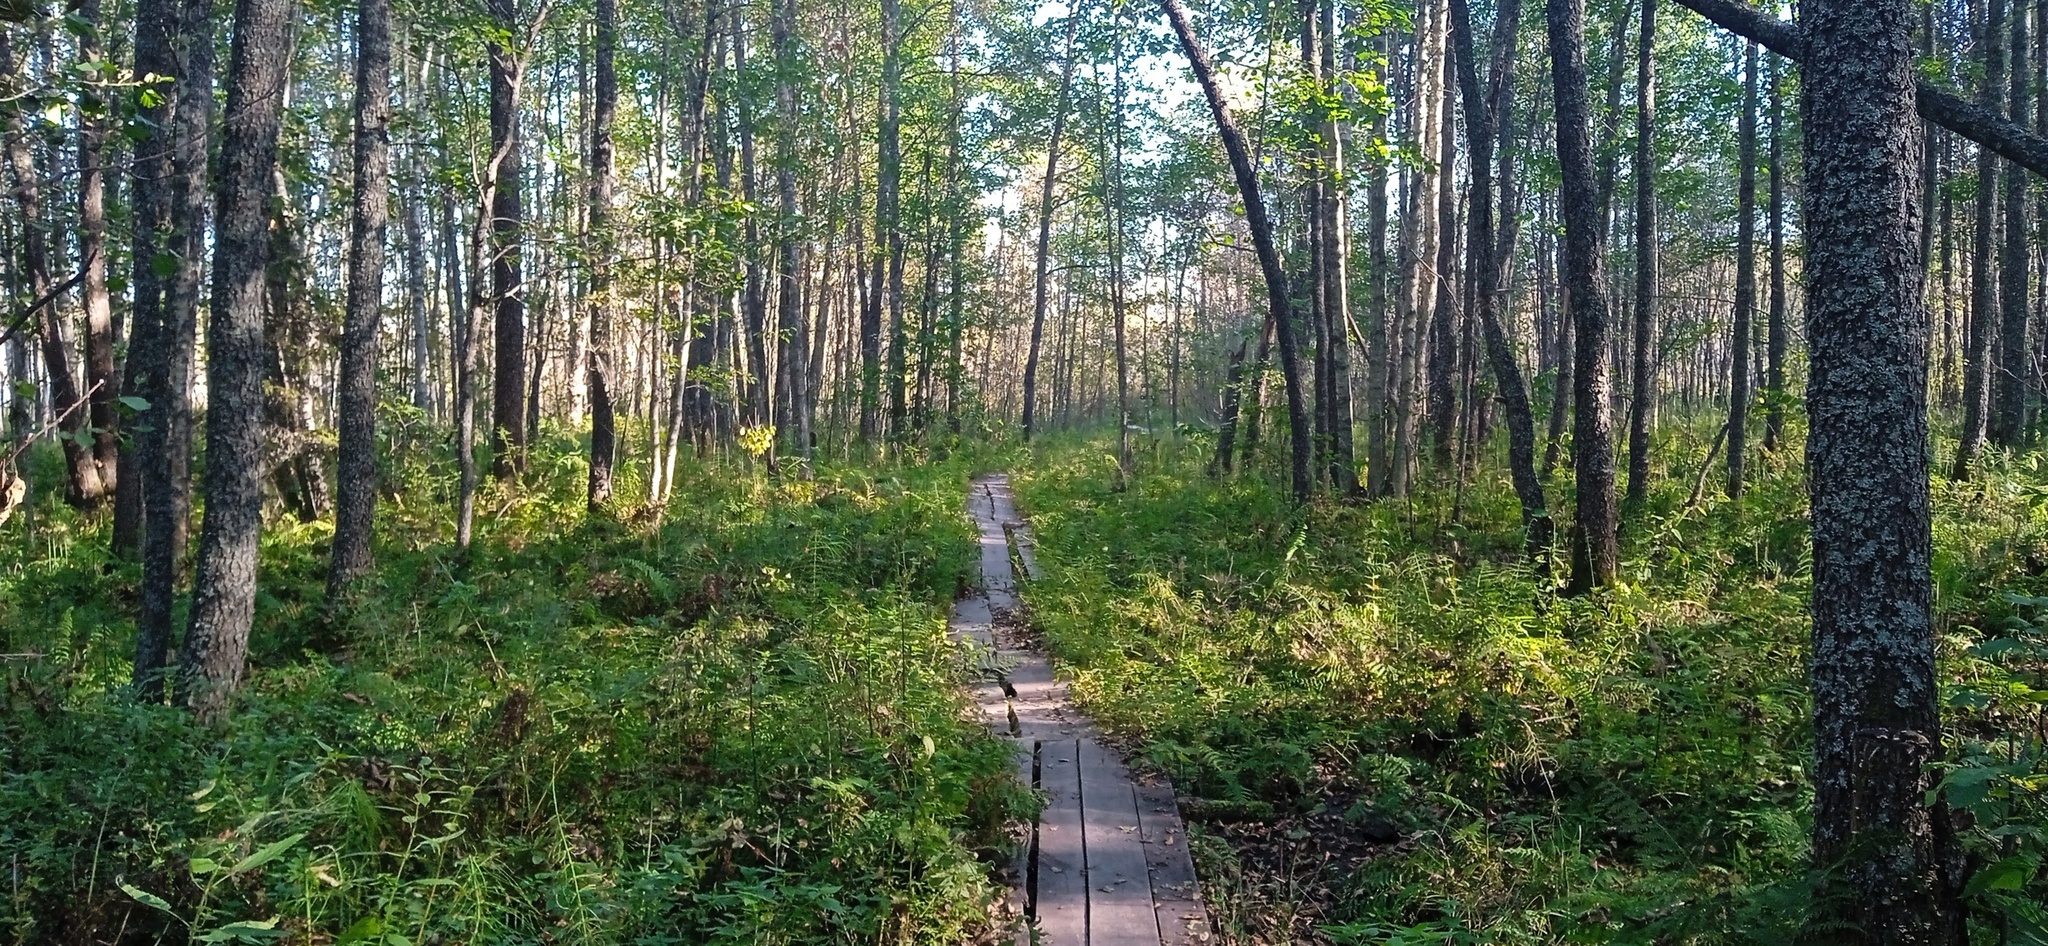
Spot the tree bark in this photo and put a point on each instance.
(604, 109)
(1778, 340)
(508, 288)
(2008, 420)
(1877, 723)
(355, 497)
(1745, 279)
(170, 177)
(224, 584)
(1643, 379)
(103, 387)
(794, 360)
(1262, 239)
(1594, 550)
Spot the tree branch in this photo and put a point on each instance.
(2004, 137)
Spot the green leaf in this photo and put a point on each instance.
(133, 403)
(369, 929)
(205, 865)
(266, 854)
(147, 898)
(257, 930)
(2008, 874)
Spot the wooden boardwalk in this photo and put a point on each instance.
(1107, 863)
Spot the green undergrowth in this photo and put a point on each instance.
(1625, 768)
(735, 721)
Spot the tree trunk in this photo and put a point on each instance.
(1041, 284)
(1983, 291)
(1593, 546)
(1378, 333)
(604, 108)
(83, 487)
(1335, 264)
(1262, 238)
(355, 495)
(1643, 379)
(224, 583)
(102, 386)
(1745, 279)
(1778, 340)
(163, 340)
(794, 359)
(2008, 420)
(508, 288)
(1491, 243)
(1877, 722)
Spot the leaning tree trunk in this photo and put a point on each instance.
(1262, 239)
(604, 108)
(1882, 848)
(224, 584)
(1594, 550)
(355, 495)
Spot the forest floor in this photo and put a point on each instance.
(1386, 728)
(741, 720)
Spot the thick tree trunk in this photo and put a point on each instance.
(355, 496)
(1593, 545)
(224, 584)
(1877, 723)
(1262, 238)
(604, 109)
(1643, 379)
(508, 288)
(1745, 279)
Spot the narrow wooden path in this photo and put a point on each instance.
(1107, 863)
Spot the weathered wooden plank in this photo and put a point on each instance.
(1120, 911)
(1176, 897)
(1060, 904)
